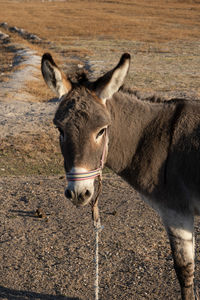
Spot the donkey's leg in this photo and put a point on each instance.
(181, 245)
(180, 231)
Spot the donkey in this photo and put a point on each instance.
(155, 147)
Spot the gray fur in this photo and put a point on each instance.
(153, 144)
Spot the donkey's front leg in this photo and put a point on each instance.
(180, 231)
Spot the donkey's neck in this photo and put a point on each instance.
(129, 119)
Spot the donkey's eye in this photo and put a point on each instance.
(101, 132)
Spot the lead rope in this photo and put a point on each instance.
(97, 229)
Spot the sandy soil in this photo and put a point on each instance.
(52, 257)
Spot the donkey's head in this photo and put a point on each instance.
(82, 119)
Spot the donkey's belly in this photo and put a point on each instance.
(152, 203)
(195, 205)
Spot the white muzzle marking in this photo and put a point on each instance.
(80, 186)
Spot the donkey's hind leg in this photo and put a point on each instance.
(180, 231)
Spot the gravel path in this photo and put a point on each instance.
(54, 259)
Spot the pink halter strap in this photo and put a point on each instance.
(90, 174)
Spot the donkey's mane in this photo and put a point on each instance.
(80, 77)
(140, 96)
(154, 98)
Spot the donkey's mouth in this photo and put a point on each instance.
(80, 204)
(79, 199)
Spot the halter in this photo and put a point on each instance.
(84, 175)
(73, 176)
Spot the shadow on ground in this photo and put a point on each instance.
(11, 294)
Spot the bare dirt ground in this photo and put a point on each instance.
(52, 257)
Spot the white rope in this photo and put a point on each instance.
(97, 229)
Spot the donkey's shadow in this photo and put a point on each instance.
(22, 213)
(11, 294)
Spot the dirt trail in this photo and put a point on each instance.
(28, 62)
(19, 113)
(17, 117)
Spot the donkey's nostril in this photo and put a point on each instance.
(68, 194)
(84, 196)
(87, 194)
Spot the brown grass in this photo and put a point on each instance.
(6, 59)
(39, 89)
(64, 22)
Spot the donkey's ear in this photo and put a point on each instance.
(54, 77)
(110, 83)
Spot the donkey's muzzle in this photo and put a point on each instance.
(78, 198)
(80, 187)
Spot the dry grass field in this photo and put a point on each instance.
(145, 21)
(54, 260)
